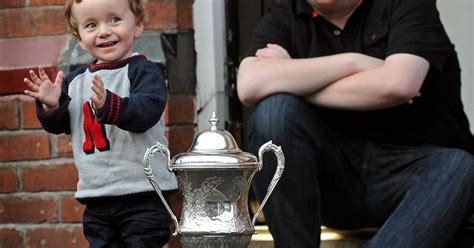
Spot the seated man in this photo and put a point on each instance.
(364, 98)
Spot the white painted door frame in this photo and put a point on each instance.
(210, 42)
(457, 17)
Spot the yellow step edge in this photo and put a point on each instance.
(263, 234)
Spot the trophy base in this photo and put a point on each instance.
(215, 240)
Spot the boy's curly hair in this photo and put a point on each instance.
(136, 7)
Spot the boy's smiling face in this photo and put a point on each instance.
(107, 28)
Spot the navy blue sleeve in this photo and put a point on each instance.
(146, 103)
(56, 121)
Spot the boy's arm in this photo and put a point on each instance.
(145, 105)
(51, 101)
(55, 121)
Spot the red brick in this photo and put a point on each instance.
(10, 238)
(9, 119)
(185, 14)
(180, 139)
(49, 178)
(46, 2)
(64, 237)
(24, 147)
(27, 22)
(71, 210)
(180, 109)
(161, 15)
(10, 4)
(37, 51)
(63, 144)
(28, 111)
(15, 209)
(8, 180)
(11, 81)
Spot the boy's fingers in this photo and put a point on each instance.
(43, 74)
(95, 101)
(32, 94)
(95, 90)
(59, 78)
(99, 95)
(35, 77)
(30, 84)
(97, 78)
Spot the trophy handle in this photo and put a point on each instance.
(269, 146)
(149, 173)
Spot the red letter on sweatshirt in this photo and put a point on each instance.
(94, 132)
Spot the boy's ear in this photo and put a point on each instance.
(139, 31)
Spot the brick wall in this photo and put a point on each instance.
(37, 173)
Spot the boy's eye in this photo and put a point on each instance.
(90, 25)
(114, 19)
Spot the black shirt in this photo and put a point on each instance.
(380, 28)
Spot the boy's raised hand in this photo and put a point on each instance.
(41, 88)
(99, 96)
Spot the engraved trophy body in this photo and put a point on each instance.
(214, 177)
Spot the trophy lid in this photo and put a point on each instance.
(214, 149)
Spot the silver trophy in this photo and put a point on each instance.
(214, 177)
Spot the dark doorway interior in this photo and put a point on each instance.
(242, 18)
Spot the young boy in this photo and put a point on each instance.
(113, 110)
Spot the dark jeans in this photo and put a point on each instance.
(418, 196)
(139, 220)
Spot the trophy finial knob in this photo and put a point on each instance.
(214, 121)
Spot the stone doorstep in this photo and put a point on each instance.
(329, 238)
(335, 239)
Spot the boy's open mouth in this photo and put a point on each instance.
(108, 44)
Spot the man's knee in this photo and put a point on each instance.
(277, 106)
(460, 158)
(457, 164)
(276, 113)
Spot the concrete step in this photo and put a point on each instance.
(324, 244)
(352, 239)
(329, 238)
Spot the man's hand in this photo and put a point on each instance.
(411, 101)
(41, 88)
(272, 51)
(99, 96)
